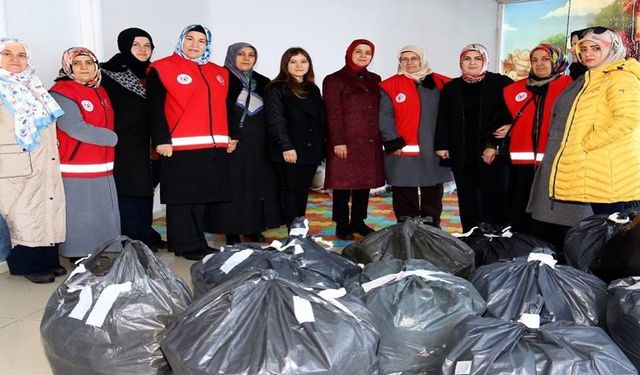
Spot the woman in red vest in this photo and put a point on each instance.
(408, 113)
(86, 143)
(187, 96)
(529, 102)
(354, 155)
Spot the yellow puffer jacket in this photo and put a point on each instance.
(599, 157)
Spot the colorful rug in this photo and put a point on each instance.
(320, 224)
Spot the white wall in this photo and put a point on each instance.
(323, 27)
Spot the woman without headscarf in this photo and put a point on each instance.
(530, 102)
(471, 108)
(408, 114)
(354, 150)
(124, 78)
(599, 159)
(87, 140)
(32, 197)
(187, 95)
(296, 120)
(255, 205)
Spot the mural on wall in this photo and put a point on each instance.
(527, 24)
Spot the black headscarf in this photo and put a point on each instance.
(124, 59)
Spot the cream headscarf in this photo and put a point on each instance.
(610, 44)
(424, 64)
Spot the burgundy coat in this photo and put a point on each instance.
(352, 103)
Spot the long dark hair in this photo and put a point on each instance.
(298, 88)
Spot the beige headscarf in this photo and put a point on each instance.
(610, 44)
(424, 64)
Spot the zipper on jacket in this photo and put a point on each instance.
(535, 130)
(204, 78)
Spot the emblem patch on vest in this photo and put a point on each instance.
(87, 105)
(220, 79)
(400, 98)
(184, 79)
(521, 96)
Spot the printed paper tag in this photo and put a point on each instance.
(303, 310)
(530, 320)
(543, 258)
(463, 368)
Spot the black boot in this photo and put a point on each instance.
(361, 228)
(343, 232)
(40, 277)
(233, 239)
(256, 237)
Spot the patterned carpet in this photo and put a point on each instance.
(320, 224)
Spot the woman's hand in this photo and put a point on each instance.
(444, 154)
(290, 156)
(340, 151)
(165, 150)
(397, 153)
(502, 131)
(488, 155)
(231, 147)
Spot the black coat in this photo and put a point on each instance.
(452, 129)
(132, 165)
(256, 204)
(295, 123)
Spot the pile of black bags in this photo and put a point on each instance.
(111, 314)
(623, 316)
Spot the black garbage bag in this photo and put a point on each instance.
(487, 346)
(111, 314)
(537, 286)
(413, 239)
(620, 256)
(416, 307)
(493, 244)
(623, 316)
(584, 242)
(220, 267)
(259, 323)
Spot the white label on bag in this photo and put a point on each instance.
(332, 295)
(77, 270)
(84, 304)
(615, 217)
(303, 310)
(530, 320)
(235, 259)
(543, 258)
(300, 231)
(387, 279)
(463, 368)
(465, 234)
(297, 249)
(207, 257)
(105, 303)
(275, 244)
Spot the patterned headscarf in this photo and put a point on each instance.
(204, 58)
(424, 64)
(610, 44)
(482, 50)
(248, 101)
(559, 64)
(26, 98)
(348, 57)
(67, 72)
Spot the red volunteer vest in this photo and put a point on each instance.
(195, 106)
(522, 106)
(79, 159)
(405, 100)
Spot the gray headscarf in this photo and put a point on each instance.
(248, 100)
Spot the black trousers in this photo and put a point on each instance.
(185, 228)
(295, 181)
(136, 219)
(483, 194)
(521, 181)
(407, 202)
(25, 260)
(359, 205)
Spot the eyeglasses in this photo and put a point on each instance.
(407, 59)
(595, 30)
(8, 55)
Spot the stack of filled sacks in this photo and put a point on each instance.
(416, 307)
(537, 285)
(623, 316)
(110, 317)
(488, 346)
(259, 323)
(414, 239)
(493, 244)
(297, 258)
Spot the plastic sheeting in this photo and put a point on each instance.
(416, 306)
(620, 257)
(413, 239)
(297, 258)
(109, 318)
(623, 316)
(486, 346)
(555, 292)
(491, 244)
(259, 323)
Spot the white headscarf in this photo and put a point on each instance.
(424, 64)
(610, 44)
(26, 98)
